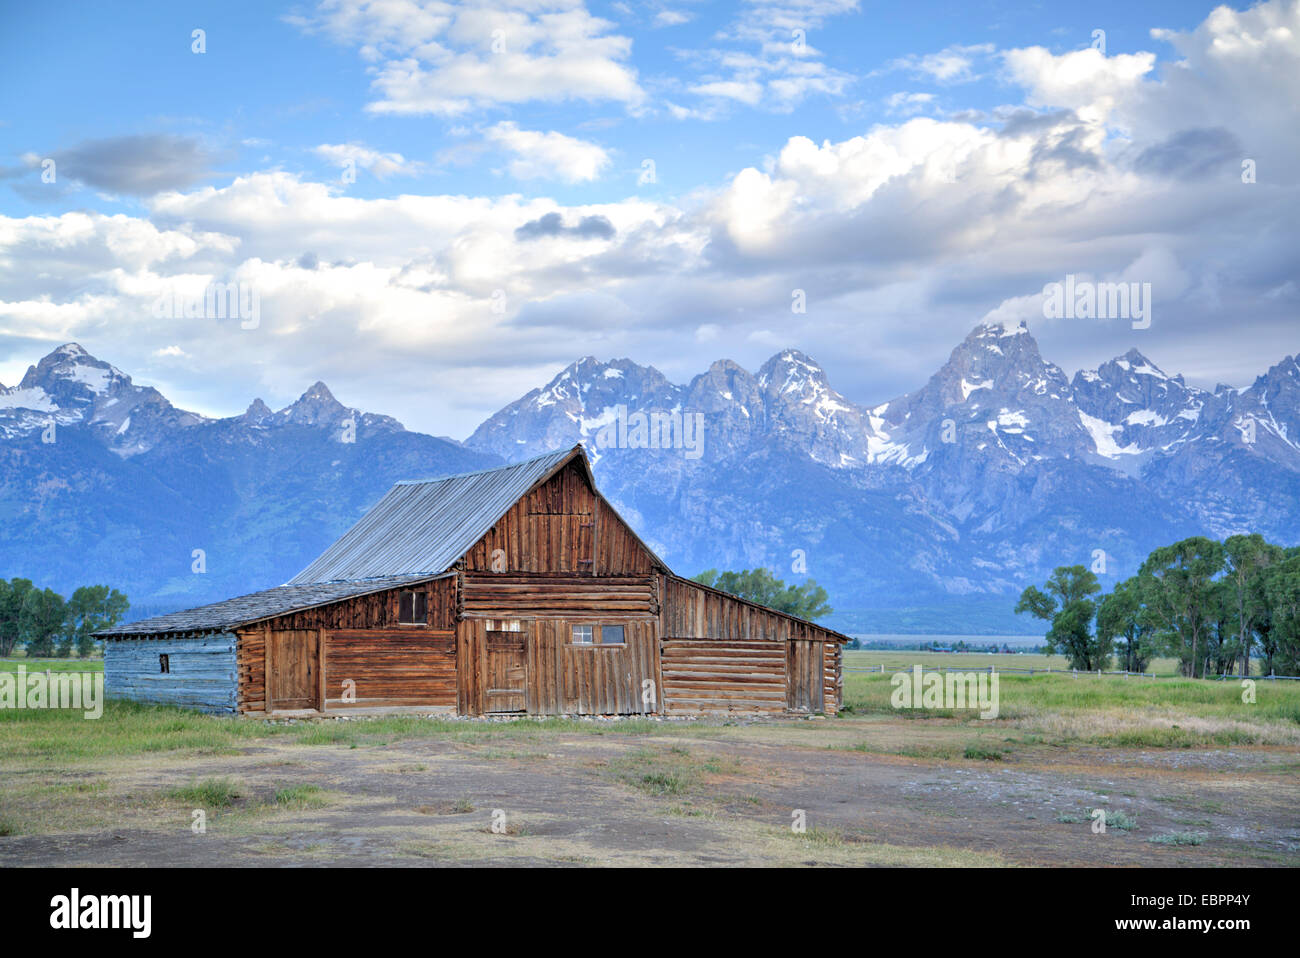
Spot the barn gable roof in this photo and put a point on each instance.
(425, 526)
(267, 604)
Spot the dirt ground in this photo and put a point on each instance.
(700, 793)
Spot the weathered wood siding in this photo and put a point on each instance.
(252, 670)
(805, 676)
(562, 526)
(390, 667)
(834, 677)
(618, 551)
(504, 596)
(691, 610)
(722, 654)
(375, 612)
(563, 679)
(202, 671)
(379, 610)
(294, 668)
(716, 675)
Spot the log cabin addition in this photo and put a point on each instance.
(510, 591)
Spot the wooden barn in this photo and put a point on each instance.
(512, 590)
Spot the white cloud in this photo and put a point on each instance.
(672, 18)
(1084, 81)
(901, 237)
(954, 64)
(908, 104)
(771, 62)
(448, 59)
(381, 165)
(548, 155)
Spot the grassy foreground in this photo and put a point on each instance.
(1043, 709)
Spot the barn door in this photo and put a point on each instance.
(805, 691)
(293, 681)
(507, 672)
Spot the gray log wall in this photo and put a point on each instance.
(202, 671)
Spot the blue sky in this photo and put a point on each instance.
(915, 168)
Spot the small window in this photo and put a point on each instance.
(164, 664)
(598, 635)
(503, 625)
(413, 608)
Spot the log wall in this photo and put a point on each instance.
(506, 596)
(713, 675)
(202, 671)
(834, 677)
(390, 667)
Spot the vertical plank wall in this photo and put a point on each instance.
(564, 679)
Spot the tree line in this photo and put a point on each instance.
(1211, 605)
(47, 624)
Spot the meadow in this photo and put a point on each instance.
(1170, 757)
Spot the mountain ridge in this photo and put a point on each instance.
(995, 469)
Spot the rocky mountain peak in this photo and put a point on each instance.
(317, 406)
(256, 412)
(70, 376)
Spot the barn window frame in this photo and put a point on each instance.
(597, 635)
(164, 663)
(418, 608)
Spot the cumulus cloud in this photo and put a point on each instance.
(381, 165)
(550, 155)
(901, 238)
(908, 104)
(672, 18)
(449, 58)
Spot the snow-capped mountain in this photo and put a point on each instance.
(557, 414)
(176, 508)
(998, 468)
(929, 510)
(71, 387)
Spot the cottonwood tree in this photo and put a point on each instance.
(1282, 591)
(1179, 590)
(1066, 602)
(40, 620)
(1222, 640)
(1122, 615)
(12, 594)
(91, 608)
(1247, 558)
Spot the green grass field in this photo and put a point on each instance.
(94, 664)
(1048, 708)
